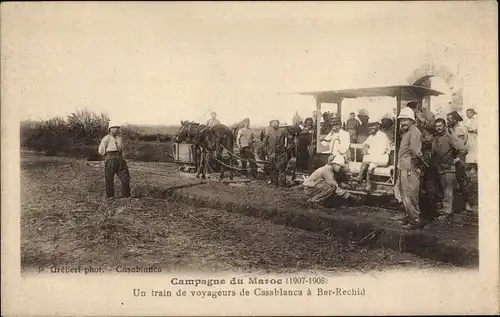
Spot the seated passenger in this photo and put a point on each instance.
(376, 153)
(338, 141)
(321, 184)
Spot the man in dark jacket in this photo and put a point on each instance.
(276, 143)
(351, 126)
(446, 151)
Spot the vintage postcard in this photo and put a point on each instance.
(249, 158)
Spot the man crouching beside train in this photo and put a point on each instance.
(410, 160)
(321, 184)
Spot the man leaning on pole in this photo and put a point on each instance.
(111, 147)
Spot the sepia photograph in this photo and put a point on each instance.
(224, 143)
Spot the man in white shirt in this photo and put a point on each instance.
(244, 140)
(111, 147)
(458, 130)
(338, 141)
(213, 121)
(376, 153)
(321, 185)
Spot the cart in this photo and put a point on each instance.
(383, 178)
(184, 154)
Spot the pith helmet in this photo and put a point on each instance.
(387, 116)
(113, 124)
(363, 112)
(407, 113)
(336, 160)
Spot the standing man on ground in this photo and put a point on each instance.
(471, 126)
(424, 120)
(213, 121)
(276, 145)
(459, 131)
(410, 158)
(244, 140)
(111, 147)
(445, 148)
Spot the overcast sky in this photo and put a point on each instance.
(159, 63)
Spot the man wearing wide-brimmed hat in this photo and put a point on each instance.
(275, 142)
(321, 184)
(338, 141)
(376, 152)
(111, 147)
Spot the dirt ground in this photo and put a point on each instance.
(66, 221)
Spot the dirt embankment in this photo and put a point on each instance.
(65, 221)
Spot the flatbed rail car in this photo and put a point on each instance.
(383, 178)
(183, 154)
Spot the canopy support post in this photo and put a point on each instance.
(339, 108)
(397, 136)
(318, 123)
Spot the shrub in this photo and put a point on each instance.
(79, 135)
(164, 138)
(59, 134)
(87, 126)
(47, 136)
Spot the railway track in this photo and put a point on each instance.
(376, 201)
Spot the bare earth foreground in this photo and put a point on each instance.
(66, 221)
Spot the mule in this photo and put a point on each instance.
(217, 142)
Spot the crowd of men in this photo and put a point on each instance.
(432, 158)
(433, 155)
